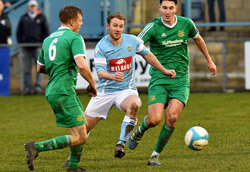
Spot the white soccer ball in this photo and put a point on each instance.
(196, 138)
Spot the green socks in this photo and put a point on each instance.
(53, 144)
(163, 139)
(76, 152)
(144, 127)
(60, 143)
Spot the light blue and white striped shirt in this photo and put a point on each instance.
(120, 58)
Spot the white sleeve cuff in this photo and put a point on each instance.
(40, 63)
(79, 55)
(100, 61)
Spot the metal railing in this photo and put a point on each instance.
(15, 5)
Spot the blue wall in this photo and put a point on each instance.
(93, 15)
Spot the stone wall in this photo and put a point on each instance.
(201, 80)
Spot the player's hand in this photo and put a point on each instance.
(118, 76)
(212, 67)
(91, 91)
(170, 73)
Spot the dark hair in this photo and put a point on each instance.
(175, 1)
(116, 15)
(68, 13)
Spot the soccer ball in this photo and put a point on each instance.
(196, 138)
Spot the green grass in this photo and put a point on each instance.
(224, 116)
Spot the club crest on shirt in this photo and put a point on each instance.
(129, 48)
(152, 98)
(181, 33)
(80, 118)
(122, 64)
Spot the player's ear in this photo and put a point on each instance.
(107, 26)
(71, 22)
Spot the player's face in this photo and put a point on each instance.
(115, 28)
(167, 10)
(77, 23)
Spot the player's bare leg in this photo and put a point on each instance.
(90, 122)
(77, 134)
(154, 117)
(131, 106)
(173, 111)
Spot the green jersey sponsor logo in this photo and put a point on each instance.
(174, 43)
(56, 34)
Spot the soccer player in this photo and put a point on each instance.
(168, 37)
(114, 60)
(62, 54)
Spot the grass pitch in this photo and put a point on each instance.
(224, 116)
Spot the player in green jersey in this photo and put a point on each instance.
(62, 55)
(168, 37)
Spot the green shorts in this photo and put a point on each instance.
(67, 109)
(162, 90)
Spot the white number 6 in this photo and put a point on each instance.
(52, 50)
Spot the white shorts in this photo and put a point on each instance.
(100, 105)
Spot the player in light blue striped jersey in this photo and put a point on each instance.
(114, 60)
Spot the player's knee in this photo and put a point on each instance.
(153, 122)
(134, 108)
(172, 120)
(82, 139)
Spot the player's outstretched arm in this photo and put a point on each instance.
(86, 74)
(103, 74)
(151, 59)
(203, 48)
